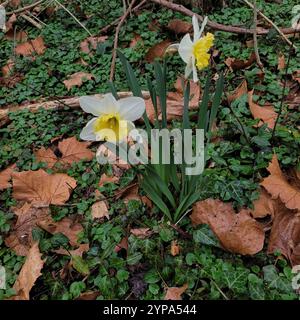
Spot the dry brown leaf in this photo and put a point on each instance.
(266, 114)
(73, 151)
(10, 22)
(134, 41)
(238, 92)
(264, 206)
(5, 177)
(175, 293)
(76, 79)
(122, 245)
(107, 179)
(20, 238)
(83, 248)
(29, 273)
(235, 64)
(179, 26)
(112, 158)
(90, 43)
(89, 295)
(14, 3)
(146, 201)
(285, 234)
(19, 36)
(279, 187)
(7, 70)
(100, 210)
(237, 233)
(157, 51)
(141, 233)
(281, 62)
(296, 76)
(175, 102)
(40, 187)
(130, 192)
(47, 156)
(66, 226)
(31, 47)
(175, 248)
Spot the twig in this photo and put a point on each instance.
(215, 25)
(116, 21)
(72, 15)
(269, 21)
(285, 83)
(30, 20)
(114, 55)
(55, 104)
(255, 43)
(124, 6)
(25, 8)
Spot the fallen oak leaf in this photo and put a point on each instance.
(8, 68)
(141, 233)
(40, 187)
(235, 64)
(30, 47)
(5, 177)
(73, 151)
(122, 245)
(66, 226)
(83, 248)
(174, 293)
(175, 248)
(179, 26)
(30, 272)
(100, 210)
(20, 238)
(264, 205)
(241, 90)
(107, 179)
(47, 156)
(285, 233)
(76, 79)
(135, 40)
(157, 51)
(91, 43)
(266, 114)
(281, 62)
(279, 187)
(238, 233)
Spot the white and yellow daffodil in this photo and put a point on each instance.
(114, 118)
(195, 53)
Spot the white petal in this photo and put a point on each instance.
(195, 74)
(204, 23)
(98, 106)
(87, 132)
(131, 108)
(188, 69)
(186, 48)
(196, 28)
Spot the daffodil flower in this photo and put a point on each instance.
(195, 53)
(114, 118)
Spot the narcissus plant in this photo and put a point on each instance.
(113, 118)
